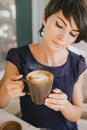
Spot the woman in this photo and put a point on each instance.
(63, 23)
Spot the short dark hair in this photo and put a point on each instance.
(75, 8)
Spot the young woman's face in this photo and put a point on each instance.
(59, 32)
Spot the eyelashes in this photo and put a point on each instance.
(61, 27)
(73, 35)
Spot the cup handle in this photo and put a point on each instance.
(24, 80)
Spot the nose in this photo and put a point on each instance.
(63, 35)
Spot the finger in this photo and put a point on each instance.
(16, 77)
(19, 91)
(56, 102)
(16, 94)
(19, 94)
(59, 108)
(22, 94)
(16, 85)
(11, 95)
(61, 96)
(14, 88)
(55, 106)
(56, 90)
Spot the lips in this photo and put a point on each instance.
(57, 44)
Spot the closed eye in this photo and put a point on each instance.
(73, 35)
(59, 26)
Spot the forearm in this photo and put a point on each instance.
(4, 97)
(72, 112)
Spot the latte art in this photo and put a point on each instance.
(40, 76)
(40, 85)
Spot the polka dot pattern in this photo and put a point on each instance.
(65, 77)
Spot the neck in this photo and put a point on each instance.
(52, 58)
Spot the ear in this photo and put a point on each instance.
(43, 19)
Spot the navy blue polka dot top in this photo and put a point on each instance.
(65, 77)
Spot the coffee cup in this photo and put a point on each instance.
(11, 125)
(40, 84)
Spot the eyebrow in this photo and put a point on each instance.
(66, 24)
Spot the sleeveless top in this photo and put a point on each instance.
(65, 77)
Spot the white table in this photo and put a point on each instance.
(5, 116)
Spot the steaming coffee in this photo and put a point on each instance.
(40, 85)
(39, 76)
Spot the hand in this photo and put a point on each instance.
(56, 100)
(14, 87)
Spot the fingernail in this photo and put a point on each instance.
(20, 75)
(49, 95)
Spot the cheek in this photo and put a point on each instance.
(50, 31)
(73, 40)
(69, 42)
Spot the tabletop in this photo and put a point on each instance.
(5, 116)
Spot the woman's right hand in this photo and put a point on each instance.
(14, 86)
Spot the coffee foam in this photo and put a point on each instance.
(39, 76)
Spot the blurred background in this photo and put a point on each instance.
(20, 21)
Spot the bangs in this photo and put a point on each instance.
(71, 9)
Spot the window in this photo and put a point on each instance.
(7, 29)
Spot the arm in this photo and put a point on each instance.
(71, 111)
(75, 109)
(9, 87)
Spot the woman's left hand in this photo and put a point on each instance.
(56, 100)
